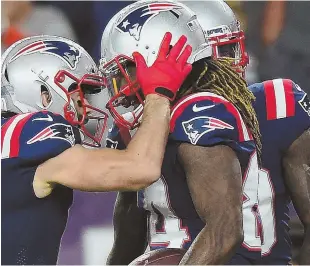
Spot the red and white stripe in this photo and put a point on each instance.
(10, 133)
(31, 48)
(280, 100)
(244, 134)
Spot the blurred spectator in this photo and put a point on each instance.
(20, 19)
(80, 14)
(279, 36)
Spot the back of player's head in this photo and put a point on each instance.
(44, 73)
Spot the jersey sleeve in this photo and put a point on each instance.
(287, 108)
(38, 135)
(206, 119)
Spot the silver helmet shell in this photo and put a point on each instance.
(142, 25)
(222, 30)
(34, 62)
(48, 63)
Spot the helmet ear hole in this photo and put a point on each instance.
(46, 96)
(6, 74)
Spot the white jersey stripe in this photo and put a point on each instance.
(279, 92)
(6, 145)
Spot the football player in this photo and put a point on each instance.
(210, 147)
(283, 113)
(282, 109)
(44, 88)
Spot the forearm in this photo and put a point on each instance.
(213, 246)
(216, 194)
(110, 170)
(149, 143)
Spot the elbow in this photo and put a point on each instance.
(149, 175)
(144, 174)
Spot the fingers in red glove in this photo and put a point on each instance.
(164, 46)
(140, 62)
(182, 60)
(187, 69)
(176, 49)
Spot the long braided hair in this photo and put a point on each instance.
(217, 76)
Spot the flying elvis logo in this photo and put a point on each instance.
(133, 23)
(55, 131)
(305, 104)
(63, 50)
(196, 127)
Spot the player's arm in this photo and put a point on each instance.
(215, 183)
(130, 230)
(296, 163)
(108, 169)
(139, 165)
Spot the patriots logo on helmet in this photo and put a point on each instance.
(196, 127)
(55, 131)
(134, 21)
(305, 104)
(61, 49)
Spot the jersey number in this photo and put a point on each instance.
(258, 210)
(166, 228)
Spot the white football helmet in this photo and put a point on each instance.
(56, 65)
(222, 30)
(141, 27)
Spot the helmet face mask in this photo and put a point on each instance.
(84, 113)
(231, 46)
(124, 91)
(222, 30)
(54, 74)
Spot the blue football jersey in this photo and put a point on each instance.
(31, 227)
(283, 111)
(203, 119)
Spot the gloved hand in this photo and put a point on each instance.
(169, 70)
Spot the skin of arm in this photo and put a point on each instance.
(130, 230)
(215, 183)
(296, 164)
(134, 168)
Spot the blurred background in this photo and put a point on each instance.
(278, 41)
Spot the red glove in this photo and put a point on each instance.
(169, 70)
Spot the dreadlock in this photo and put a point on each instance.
(217, 76)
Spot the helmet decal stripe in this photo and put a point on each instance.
(61, 49)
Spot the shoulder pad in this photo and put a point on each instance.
(207, 119)
(282, 98)
(33, 133)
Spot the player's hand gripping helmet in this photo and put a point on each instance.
(222, 30)
(60, 68)
(141, 27)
